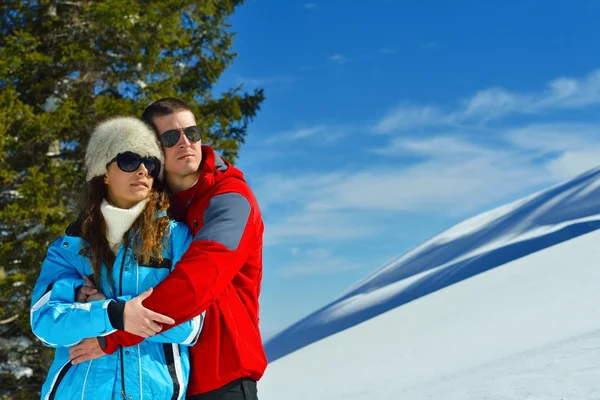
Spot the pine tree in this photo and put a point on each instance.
(64, 66)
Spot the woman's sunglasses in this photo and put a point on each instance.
(130, 162)
(171, 137)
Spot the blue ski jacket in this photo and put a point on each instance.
(157, 368)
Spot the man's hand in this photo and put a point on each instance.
(83, 292)
(86, 293)
(141, 321)
(88, 349)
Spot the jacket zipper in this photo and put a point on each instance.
(189, 201)
(123, 393)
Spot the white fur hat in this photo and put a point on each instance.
(118, 135)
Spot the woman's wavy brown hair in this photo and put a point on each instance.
(145, 238)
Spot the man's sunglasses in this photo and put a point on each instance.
(130, 162)
(171, 137)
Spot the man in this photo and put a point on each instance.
(220, 273)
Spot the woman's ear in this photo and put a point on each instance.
(105, 179)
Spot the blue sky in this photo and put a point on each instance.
(387, 123)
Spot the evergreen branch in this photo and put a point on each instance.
(9, 320)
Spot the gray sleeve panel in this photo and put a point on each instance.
(225, 220)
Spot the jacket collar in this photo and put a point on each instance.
(213, 169)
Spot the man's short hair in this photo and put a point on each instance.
(162, 107)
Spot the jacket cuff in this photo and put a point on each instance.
(115, 314)
(108, 344)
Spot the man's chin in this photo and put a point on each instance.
(186, 168)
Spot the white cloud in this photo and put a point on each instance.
(554, 137)
(406, 117)
(290, 188)
(572, 163)
(453, 176)
(310, 226)
(439, 147)
(283, 200)
(323, 267)
(495, 103)
(318, 253)
(323, 134)
(490, 104)
(339, 58)
(301, 133)
(572, 149)
(450, 187)
(342, 59)
(316, 261)
(265, 81)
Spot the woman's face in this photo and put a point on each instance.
(126, 189)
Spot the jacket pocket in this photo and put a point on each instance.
(243, 330)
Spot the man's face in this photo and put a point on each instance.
(184, 157)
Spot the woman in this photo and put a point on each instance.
(127, 245)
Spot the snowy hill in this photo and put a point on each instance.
(504, 305)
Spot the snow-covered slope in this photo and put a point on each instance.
(527, 328)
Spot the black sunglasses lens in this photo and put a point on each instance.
(151, 166)
(170, 138)
(193, 133)
(128, 162)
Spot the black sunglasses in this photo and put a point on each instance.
(130, 161)
(171, 137)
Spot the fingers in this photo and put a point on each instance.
(154, 326)
(83, 292)
(96, 297)
(83, 357)
(80, 359)
(88, 291)
(79, 352)
(146, 329)
(76, 351)
(144, 332)
(154, 316)
(147, 332)
(150, 328)
(86, 350)
(88, 281)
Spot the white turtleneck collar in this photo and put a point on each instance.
(119, 220)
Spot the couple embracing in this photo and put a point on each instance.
(153, 292)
